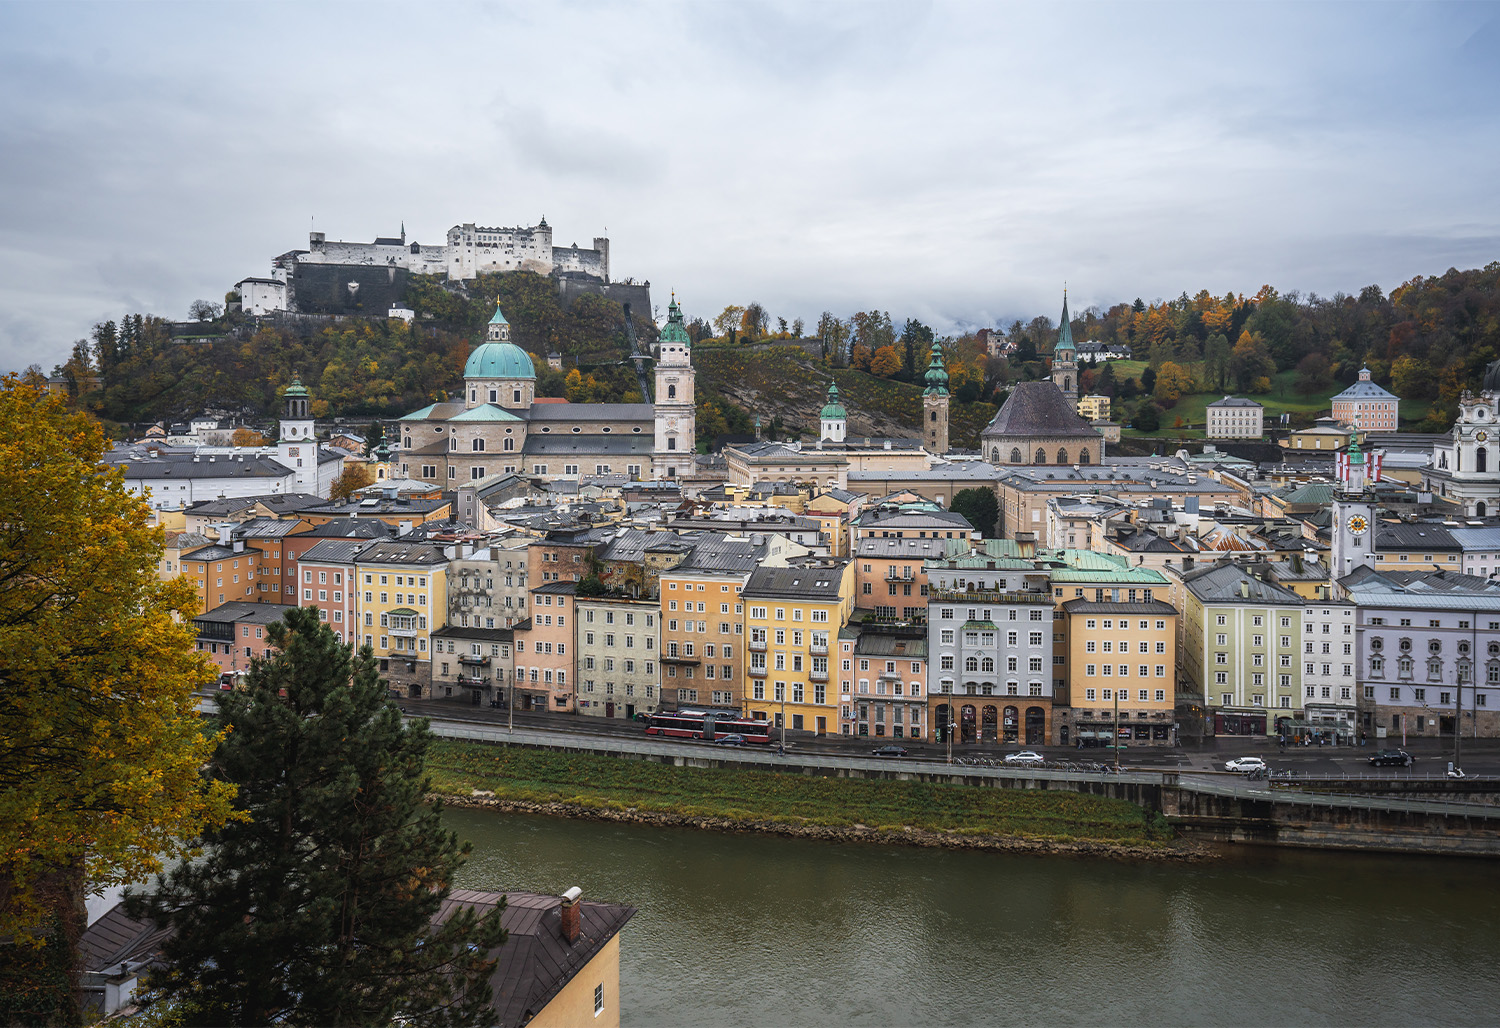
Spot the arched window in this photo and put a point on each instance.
(1015, 455)
(1067, 383)
(995, 454)
(1083, 458)
(1481, 460)
(934, 416)
(988, 665)
(510, 444)
(1479, 509)
(1062, 456)
(477, 445)
(671, 392)
(971, 664)
(1041, 456)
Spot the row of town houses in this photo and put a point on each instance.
(890, 618)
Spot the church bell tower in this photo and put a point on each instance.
(675, 413)
(935, 405)
(1065, 357)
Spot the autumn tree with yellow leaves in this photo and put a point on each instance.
(100, 749)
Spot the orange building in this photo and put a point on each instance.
(544, 676)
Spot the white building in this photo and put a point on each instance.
(1466, 468)
(1235, 417)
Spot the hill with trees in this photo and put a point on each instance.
(1426, 341)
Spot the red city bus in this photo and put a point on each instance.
(707, 724)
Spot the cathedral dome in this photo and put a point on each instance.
(499, 360)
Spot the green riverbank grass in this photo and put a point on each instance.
(539, 776)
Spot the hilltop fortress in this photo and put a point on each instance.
(338, 277)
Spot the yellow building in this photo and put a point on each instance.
(792, 616)
(702, 636)
(1123, 661)
(1093, 408)
(402, 595)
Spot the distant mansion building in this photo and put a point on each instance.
(1235, 417)
(1367, 407)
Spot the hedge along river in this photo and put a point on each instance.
(764, 930)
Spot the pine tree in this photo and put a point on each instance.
(316, 906)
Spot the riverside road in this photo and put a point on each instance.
(1481, 757)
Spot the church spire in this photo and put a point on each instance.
(1065, 335)
(937, 375)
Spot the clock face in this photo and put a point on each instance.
(1358, 525)
(1481, 435)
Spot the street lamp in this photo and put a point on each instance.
(782, 689)
(510, 713)
(1117, 728)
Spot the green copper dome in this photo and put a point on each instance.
(296, 388)
(833, 409)
(498, 319)
(937, 376)
(499, 360)
(675, 331)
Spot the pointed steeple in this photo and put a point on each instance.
(937, 375)
(1065, 335)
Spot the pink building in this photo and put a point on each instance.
(544, 651)
(1367, 407)
(324, 577)
(233, 634)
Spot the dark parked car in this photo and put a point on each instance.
(1391, 758)
(888, 751)
(732, 739)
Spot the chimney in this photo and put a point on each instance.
(226, 533)
(568, 913)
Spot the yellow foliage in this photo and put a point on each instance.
(100, 749)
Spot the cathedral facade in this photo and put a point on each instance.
(500, 426)
(1465, 467)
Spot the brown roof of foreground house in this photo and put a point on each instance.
(531, 968)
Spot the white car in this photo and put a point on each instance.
(1025, 757)
(1245, 764)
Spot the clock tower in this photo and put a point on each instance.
(675, 410)
(1353, 517)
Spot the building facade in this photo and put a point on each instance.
(1123, 657)
(1235, 417)
(1366, 407)
(792, 616)
(617, 656)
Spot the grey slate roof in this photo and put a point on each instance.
(1223, 583)
(1423, 590)
(806, 583)
(1420, 536)
(254, 613)
(1234, 401)
(1038, 409)
(266, 528)
(899, 549)
(1150, 608)
(574, 445)
(335, 551)
(352, 528)
(398, 552)
(591, 412)
(1365, 391)
(289, 503)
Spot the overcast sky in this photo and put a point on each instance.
(951, 162)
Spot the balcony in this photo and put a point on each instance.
(893, 576)
(757, 645)
(994, 596)
(819, 649)
(473, 658)
(757, 672)
(818, 676)
(401, 629)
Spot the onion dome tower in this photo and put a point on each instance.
(935, 404)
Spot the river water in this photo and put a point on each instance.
(760, 930)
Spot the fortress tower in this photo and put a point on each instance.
(675, 410)
(935, 405)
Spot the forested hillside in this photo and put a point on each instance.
(1426, 341)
